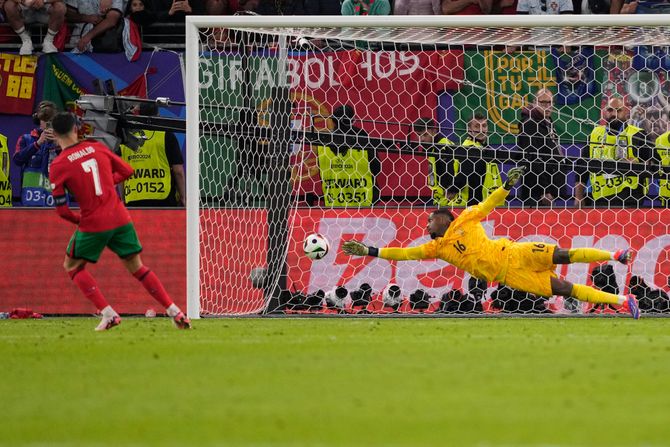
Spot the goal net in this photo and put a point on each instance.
(359, 127)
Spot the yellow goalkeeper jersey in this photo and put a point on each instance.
(465, 244)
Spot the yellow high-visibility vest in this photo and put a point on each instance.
(604, 146)
(663, 150)
(346, 178)
(439, 194)
(5, 184)
(152, 179)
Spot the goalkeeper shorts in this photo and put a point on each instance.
(531, 268)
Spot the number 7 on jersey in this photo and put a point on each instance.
(91, 166)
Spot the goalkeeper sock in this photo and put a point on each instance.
(589, 255)
(153, 285)
(89, 287)
(591, 295)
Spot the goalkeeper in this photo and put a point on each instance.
(525, 266)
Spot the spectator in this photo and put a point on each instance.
(477, 178)
(177, 10)
(591, 6)
(34, 153)
(20, 13)
(466, 7)
(663, 154)
(640, 7)
(323, 7)
(230, 7)
(507, 7)
(220, 7)
(537, 140)
(366, 8)
(652, 120)
(417, 7)
(139, 12)
(5, 184)
(615, 140)
(136, 6)
(544, 7)
(94, 18)
(159, 168)
(347, 173)
(443, 168)
(280, 8)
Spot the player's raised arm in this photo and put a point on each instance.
(498, 196)
(355, 248)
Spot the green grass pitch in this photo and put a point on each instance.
(336, 382)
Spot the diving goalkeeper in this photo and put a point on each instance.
(525, 266)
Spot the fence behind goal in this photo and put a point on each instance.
(358, 129)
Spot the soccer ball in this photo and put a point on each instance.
(316, 246)
(257, 277)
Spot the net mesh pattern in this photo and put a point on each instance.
(360, 133)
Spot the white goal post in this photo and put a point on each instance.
(214, 113)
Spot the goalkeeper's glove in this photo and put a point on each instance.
(355, 248)
(513, 176)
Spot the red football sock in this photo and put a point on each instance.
(153, 285)
(89, 287)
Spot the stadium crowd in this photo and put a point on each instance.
(98, 26)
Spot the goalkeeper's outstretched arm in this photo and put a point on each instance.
(355, 248)
(436, 228)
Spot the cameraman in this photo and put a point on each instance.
(34, 153)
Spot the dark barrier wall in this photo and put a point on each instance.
(33, 245)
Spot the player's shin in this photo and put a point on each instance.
(88, 286)
(154, 286)
(589, 255)
(591, 295)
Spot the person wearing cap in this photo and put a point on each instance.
(34, 153)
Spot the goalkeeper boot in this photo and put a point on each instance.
(181, 321)
(108, 323)
(631, 306)
(624, 256)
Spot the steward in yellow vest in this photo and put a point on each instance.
(617, 189)
(663, 154)
(159, 178)
(460, 183)
(476, 174)
(482, 177)
(159, 170)
(5, 184)
(346, 178)
(616, 140)
(347, 173)
(443, 169)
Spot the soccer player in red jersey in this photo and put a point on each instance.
(90, 171)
